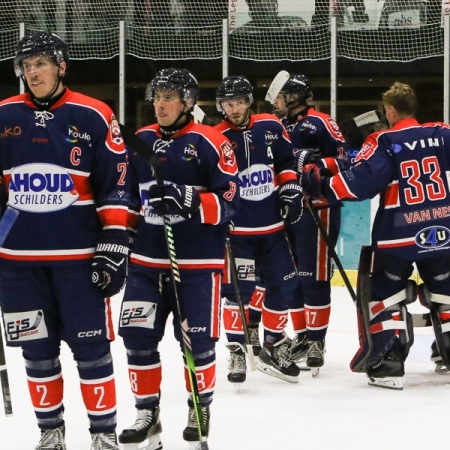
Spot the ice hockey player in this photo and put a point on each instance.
(64, 164)
(407, 165)
(268, 184)
(200, 196)
(316, 138)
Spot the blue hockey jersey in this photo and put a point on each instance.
(265, 160)
(409, 166)
(318, 133)
(65, 170)
(198, 156)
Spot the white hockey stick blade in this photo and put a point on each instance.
(277, 84)
(198, 114)
(394, 383)
(367, 118)
(251, 357)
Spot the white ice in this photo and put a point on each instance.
(337, 410)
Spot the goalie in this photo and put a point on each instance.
(406, 164)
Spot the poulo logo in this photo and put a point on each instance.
(75, 135)
(433, 237)
(41, 188)
(11, 132)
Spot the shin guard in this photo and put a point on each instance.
(439, 306)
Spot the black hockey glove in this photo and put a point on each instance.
(291, 201)
(174, 199)
(312, 181)
(305, 157)
(110, 264)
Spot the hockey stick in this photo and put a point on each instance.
(198, 114)
(334, 255)
(419, 319)
(367, 118)
(132, 140)
(275, 87)
(234, 277)
(6, 223)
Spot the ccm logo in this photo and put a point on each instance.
(88, 334)
(197, 329)
(288, 277)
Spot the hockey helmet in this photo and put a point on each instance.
(179, 80)
(232, 88)
(40, 43)
(298, 85)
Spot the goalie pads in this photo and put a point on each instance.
(439, 306)
(381, 323)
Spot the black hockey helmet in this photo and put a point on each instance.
(180, 80)
(40, 43)
(300, 86)
(234, 87)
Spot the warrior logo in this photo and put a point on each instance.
(433, 237)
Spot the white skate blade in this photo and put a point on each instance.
(197, 445)
(269, 370)
(441, 369)
(394, 383)
(315, 371)
(152, 443)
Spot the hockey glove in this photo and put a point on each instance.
(312, 181)
(305, 157)
(110, 264)
(174, 199)
(291, 201)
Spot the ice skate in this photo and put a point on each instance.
(274, 361)
(436, 358)
(387, 372)
(144, 433)
(190, 433)
(315, 356)
(253, 331)
(298, 349)
(237, 367)
(52, 439)
(104, 441)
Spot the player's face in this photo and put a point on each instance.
(236, 110)
(279, 106)
(41, 74)
(168, 107)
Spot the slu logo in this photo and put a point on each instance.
(75, 135)
(433, 237)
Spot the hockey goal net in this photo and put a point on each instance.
(261, 30)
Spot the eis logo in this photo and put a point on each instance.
(189, 153)
(75, 135)
(433, 237)
(25, 326)
(138, 314)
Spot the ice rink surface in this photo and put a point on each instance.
(335, 411)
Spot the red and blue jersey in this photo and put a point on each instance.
(197, 156)
(408, 165)
(65, 171)
(265, 160)
(318, 133)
